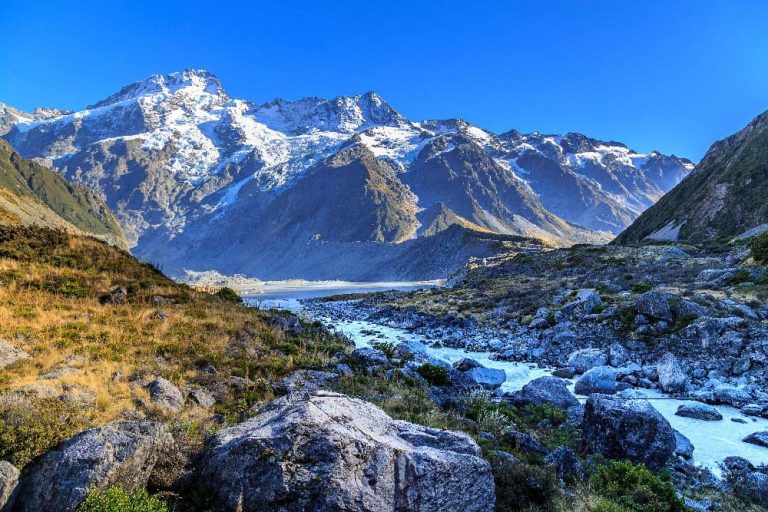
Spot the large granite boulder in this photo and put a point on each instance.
(758, 438)
(120, 453)
(545, 390)
(586, 358)
(339, 453)
(9, 477)
(699, 411)
(600, 379)
(488, 378)
(585, 302)
(163, 393)
(630, 429)
(672, 378)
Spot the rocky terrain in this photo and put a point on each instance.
(203, 181)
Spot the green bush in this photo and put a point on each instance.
(635, 488)
(521, 486)
(760, 248)
(641, 287)
(115, 499)
(229, 295)
(434, 374)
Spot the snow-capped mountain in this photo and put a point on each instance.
(199, 179)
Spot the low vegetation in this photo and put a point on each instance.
(115, 499)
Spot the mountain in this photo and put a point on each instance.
(33, 194)
(723, 197)
(200, 180)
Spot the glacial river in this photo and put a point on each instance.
(712, 440)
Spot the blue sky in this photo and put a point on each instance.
(672, 76)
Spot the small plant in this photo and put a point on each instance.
(434, 374)
(229, 295)
(642, 287)
(115, 499)
(521, 486)
(760, 248)
(387, 347)
(635, 488)
(495, 422)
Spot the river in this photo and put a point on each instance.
(712, 440)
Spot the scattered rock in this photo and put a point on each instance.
(525, 443)
(752, 485)
(699, 411)
(340, 453)
(61, 372)
(121, 453)
(601, 379)
(752, 409)
(627, 429)
(369, 357)
(465, 364)
(683, 446)
(545, 390)
(289, 325)
(585, 359)
(10, 354)
(758, 438)
(564, 373)
(201, 398)
(488, 378)
(165, 394)
(585, 303)
(9, 477)
(309, 381)
(672, 379)
(566, 463)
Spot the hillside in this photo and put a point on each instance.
(723, 197)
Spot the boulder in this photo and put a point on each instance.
(488, 378)
(618, 355)
(545, 390)
(655, 304)
(339, 453)
(9, 477)
(288, 325)
(683, 446)
(165, 394)
(699, 411)
(525, 443)
(309, 381)
(200, 398)
(120, 453)
(672, 378)
(585, 303)
(601, 379)
(752, 485)
(10, 354)
(465, 364)
(566, 463)
(627, 429)
(585, 359)
(758, 438)
(367, 357)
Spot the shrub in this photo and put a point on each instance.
(635, 488)
(760, 248)
(641, 287)
(229, 295)
(434, 374)
(387, 347)
(115, 499)
(521, 486)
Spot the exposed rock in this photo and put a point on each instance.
(587, 358)
(61, 372)
(758, 438)
(525, 443)
(465, 364)
(369, 357)
(617, 355)
(488, 378)
(340, 453)
(545, 390)
(9, 477)
(121, 453)
(683, 446)
(165, 394)
(601, 379)
(289, 325)
(752, 485)
(627, 429)
(672, 379)
(699, 411)
(201, 398)
(565, 373)
(752, 409)
(10, 354)
(309, 381)
(117, 295)
(655, 304)
(585, 303)
(566, 463)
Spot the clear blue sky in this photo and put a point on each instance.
(666, 75)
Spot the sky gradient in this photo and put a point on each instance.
(671, 76)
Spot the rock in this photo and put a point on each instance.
(61, 372)
(585, 303)
(10, 354)
(655, 304)
(9, 477)
(617, 355)
(758, 438)
(703, 505)
(753, 486)
(117, 295)
(121, 453)
(566, 463)
(585, 359)
(525, 443)
(341, 453)
(683, 446)
(465, 364)
(601, 379)
(77, 395)
(737, 396)
(737, 464)
(699, 411)
(505, 456)
(564, 373)
(289, 325)
(545, 390)
(309, 381)
(488, 378)
(672, 379)
(201, 398)
(752, 409)
(165, 394)
(369, 357)
(627, 429)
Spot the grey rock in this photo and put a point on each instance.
(655, 304)
(758, 438)
(525, 443)
(627, 429)
(617, 355)
(752, 485)
(584, 359)
(369, 357)
(201, 398)
(683, 446)
(340, 453)
(121, 453)
(699, 411)
(165, 394)
(289, 325)
(703, 505)
(564, 373)
(465, 364)
(9, 478)
(61, 372)
(737, 396)
(601, 379)
(10, 354)
(752, 409)
(309, 381)
(488, 378)
(672, 378)
(566, 463)
(585, 303)
(545, 390)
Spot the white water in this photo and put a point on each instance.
(713, 440)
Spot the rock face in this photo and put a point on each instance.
(121, 453)
(628, 429)
(699, 411)
(672, 378)
(546, 390)
(9, 476)
(683, 446)
(339, 453)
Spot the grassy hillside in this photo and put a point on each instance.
(73, 203)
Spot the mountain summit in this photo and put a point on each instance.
(196, 177)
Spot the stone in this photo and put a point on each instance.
(587, 358)
(564, 373)
(627, 429)
(753, 486)
(201, 398)
(585, 303)
(525, 443)
(618, 355)
(9, 478)
(699, 411)
(369, 357)
(340, 453)
(488, 378)
(601, 379)
(165, 394)
(566, 463)
(61, 372)
(545, 390)
(672, 378)
(465, 364)
(120, 453)
(655, 304)
(758, 438)
(683, 446)
(10, 355)
(752, 409)
(289, 325)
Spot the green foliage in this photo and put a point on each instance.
(521, 486)
(760, 248)
(229, 295)
(434, 374)
(741, 277)
(115, 499)
(642, 287)
(387, 347)
(635, 487)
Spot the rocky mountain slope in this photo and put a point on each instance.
(33, 194)
(723, 197)
(183, 166)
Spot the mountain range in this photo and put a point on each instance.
(319, 189)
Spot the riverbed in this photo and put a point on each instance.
(713, 440)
